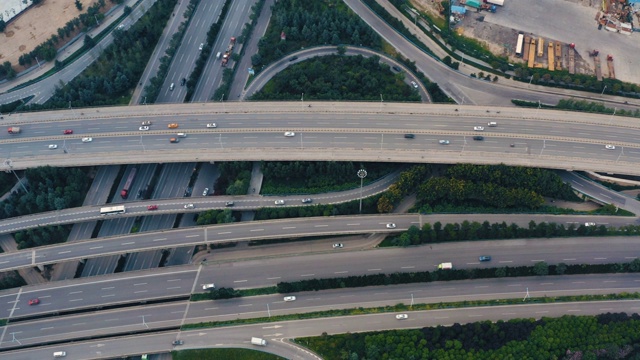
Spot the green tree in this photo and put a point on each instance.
(78, 5)
(501, 272)
(541, 268)
(561, 268)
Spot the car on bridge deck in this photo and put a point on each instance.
(68, 132)
(152, 207)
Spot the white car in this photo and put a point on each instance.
(589, 224)
(338, 246)
(478, 128)
(87, 139)
(391, 226)
(443, 142)
(189, 206)
(143, 128)
(414, 84)
(609, 147)
(279, 202)
(145, 123)
(402, 316)
(212, 125)
(205, 192)
(208, 286)
(289, 298)
(289, 134)
(201, 46)
(53, 146)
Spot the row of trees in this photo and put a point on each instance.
(49, 188)
(110, 78)
(312, 177)
(338, 77)
(605, 336)
(352, 207)
(466, 231)
(234, 178)
(308, 23)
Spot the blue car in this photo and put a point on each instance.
(485, 258)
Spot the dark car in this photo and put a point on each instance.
(484, 258)
(293, 58)
(177, 342)
(183, 81)
(409, 136)
(396, 68)
(478, 138)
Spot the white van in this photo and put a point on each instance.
(59, 354)
(182, 135)
(492, 124)
(171, 86)
(218, 55)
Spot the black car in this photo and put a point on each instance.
(293, 58)
(409, 136)
(396, 68)
(183, 81)
(478, 138)
(484, 258)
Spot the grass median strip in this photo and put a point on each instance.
(415, 307)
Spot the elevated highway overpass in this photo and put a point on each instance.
(324, 132)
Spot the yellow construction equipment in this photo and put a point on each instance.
(532, 53)
(540, 47)
(525, 51)
(558, 56)
(551, 58)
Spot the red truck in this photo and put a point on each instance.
(14, 130)
(227, 54)
(125, 190)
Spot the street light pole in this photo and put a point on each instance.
(362, 173)
(605, 88)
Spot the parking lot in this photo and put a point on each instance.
(570, 22)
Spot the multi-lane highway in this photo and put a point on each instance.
(174, 314)
(141, 287)
(286, 228)
(327, 131)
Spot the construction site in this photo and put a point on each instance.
(600, 40)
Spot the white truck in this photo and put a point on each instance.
(258, 341)
(445, 266)
(208, 287)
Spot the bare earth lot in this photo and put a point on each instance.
(36, 25)
(568, 21)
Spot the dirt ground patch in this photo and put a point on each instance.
(35, 25)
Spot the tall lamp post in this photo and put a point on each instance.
(362, 173)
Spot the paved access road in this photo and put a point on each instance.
(170, 315)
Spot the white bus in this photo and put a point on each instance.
(112, 210)
(520, 45)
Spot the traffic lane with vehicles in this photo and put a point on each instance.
(275, 333)
(463, 255)
(160, 283)
(267, 230)
(98, 292)
(204, 14)
(211, 78)
(427, 293)
(159, 316)
(137, 208)
(157, 147)
(115, 321)
(600, 192)
(509, 121)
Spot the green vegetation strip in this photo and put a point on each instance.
(415, 307)
(603, 336)
(226, 354)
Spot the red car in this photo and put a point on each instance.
(152, 207)
(34, 301)
(67, 132)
